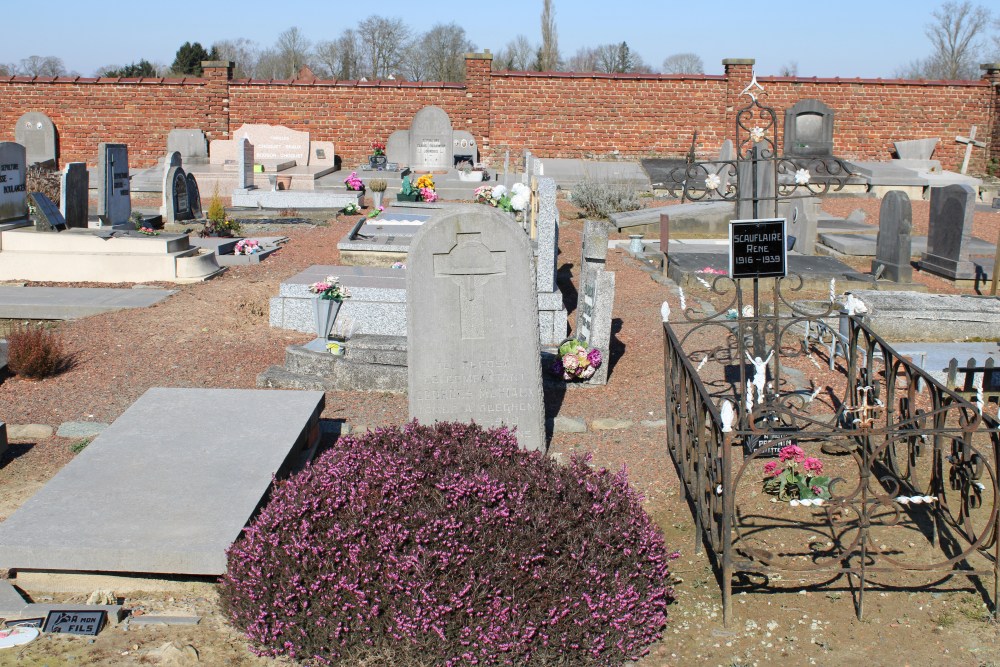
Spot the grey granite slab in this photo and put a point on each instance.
(935, 357)
(909, 316)
(295, 199)
(67, 303)
(885, 173)
(167, 487)
(864, 244)
(844, 225)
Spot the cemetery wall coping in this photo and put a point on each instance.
(605, 75)
(347, 83)
(877, 82)
(104, 80)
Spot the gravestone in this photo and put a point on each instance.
(190, 143)
(47, 215)
(548, 234)
(275, 144)
(114, 199)
(950, 232)
(244, 161)
(726, 154)
(178, 204)
(464, 147)
(915, 149)
(802, 214)
(595, 251)
(194, 197)
(172, 161)
(13, 201)
(73, 194)
(593, 318)
(473, 352)
(893, 245)
(36, 132)
(809, 129)
(428, 145)
(765, 191)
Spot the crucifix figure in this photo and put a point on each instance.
(760, 373)
(470, 264)
(969, 142)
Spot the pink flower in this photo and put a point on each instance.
(813, 465)
(594, 357)
(570, 362)
(817, 490)
(772, 468)
(791, 453)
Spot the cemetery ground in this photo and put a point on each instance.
(216, 334)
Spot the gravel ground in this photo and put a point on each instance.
(216, 334)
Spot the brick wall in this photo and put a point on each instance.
(552, 114)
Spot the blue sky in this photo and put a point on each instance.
(848, 38)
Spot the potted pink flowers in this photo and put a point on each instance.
(795, 477)
(247, 247)
(354, 183)
(576, 361)
(329, 294)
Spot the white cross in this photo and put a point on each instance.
(969, 142)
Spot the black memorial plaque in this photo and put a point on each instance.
(757, 248)
(82, 622)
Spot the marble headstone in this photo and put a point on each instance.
(36, 132)
(114, 199)
(593, 328)
(594, 250)
(548, 234)
(809, 129)
(74, 194)
(429, 144)
(473, 351)
(949, 232)
(276, 144)
(893, 245)
(13, 202)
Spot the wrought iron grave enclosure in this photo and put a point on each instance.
(914, 492)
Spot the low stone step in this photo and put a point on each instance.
(303, 361)
(277, 377)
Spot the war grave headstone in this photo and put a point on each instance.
(809, 129)
(949, 233)
(13, 197)
(473, 352)
(47, 215)
(892, 246)
(74, 194)
(37, 133)
(114, 199)
(428, 144)
(193, 483)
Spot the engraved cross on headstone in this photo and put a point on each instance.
(969, 142)
(470, 264)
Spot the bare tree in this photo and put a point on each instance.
(41, 66)
(791, 68)
(243, 52)
(443, 50)
(383, 46)
(548, 54)
(293, 51)
(683, 63)
(8, 69)
(957, 37)
(518, 55)
(615, 58)
(340, 58)
(271, 66)
(584, 60)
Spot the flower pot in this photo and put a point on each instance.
(377, 198)
(377, 162)
(283, 182)
(413, 196)
(325, 311)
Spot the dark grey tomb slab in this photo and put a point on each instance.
(74, 194)
(809, 129)
(47, 215)
(167, 487)
(949, 233)
(892, 246)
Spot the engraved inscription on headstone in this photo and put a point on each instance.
(13, 203)
(431, 154)
(473, 350)
(114, 200)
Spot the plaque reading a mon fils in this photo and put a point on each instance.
(757, 248)
(473, 350)
(82, 622)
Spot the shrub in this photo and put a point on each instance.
(601, 198)
(39, 178)
(449, 545)
(217, 222)
(34, 351)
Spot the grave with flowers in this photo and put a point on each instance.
(873, 469)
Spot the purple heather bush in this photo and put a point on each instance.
(449, 545)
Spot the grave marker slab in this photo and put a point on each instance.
(244, 160)
(949, 232)
(74, 194)
(193, 483)
(114, 199)
(13, 197)
(194, 196)
(190, 143)
(178, 203)
(809, 129)
(276, 144)
(48, 218)
(893, 244)
(916, 149)
(594, 318)
(36, 132)
(473, 335)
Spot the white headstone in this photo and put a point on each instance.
(13, 195)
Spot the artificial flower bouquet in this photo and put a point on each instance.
(378, 148)
(353, 182)
(425, 185)
(330, 289)
(796, 477)
(247, 247)
(576, 361)
(514, 200)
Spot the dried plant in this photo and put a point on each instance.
(600, 198)
(44, 180)
(377, 185)
(34, 351)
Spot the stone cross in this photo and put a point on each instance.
(969, 142)
(470, 264)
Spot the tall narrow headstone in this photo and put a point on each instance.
(36, 132)
(244, 161)
(74, 193)
(13, 195)
(594, 252)
(593, 318)
(176, 191)
(473, 352)
(194, 197)
(548, 234)
(173, 160)
(893, 246)
(114, 199)
(950, 232)
(759, 189)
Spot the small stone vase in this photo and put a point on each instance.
(377, 198)
(326, 312)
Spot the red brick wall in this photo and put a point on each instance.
(552, 114)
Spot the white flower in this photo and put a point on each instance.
(757, 134)
(712, 182)
(332, 279)
(499, 191)
(793, 502)
(519, 201)
(802, 177)
(806, 502)
(520, 188)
